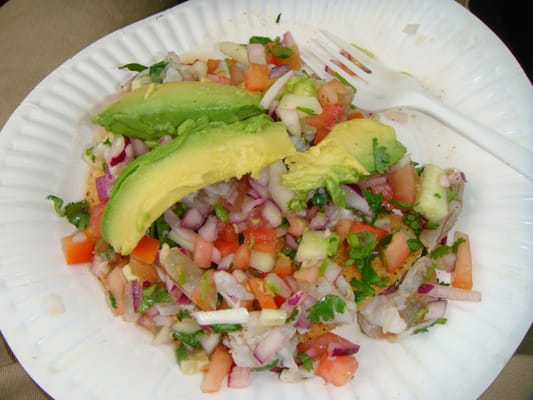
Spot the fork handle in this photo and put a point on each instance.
(511, 153)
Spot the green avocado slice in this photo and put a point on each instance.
(152, 183)
(153, 111)
(346, 154)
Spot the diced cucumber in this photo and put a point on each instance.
(306, 105)
(195, 363)
(313, 246)
(236, 51)
(431, 200)
(262, 261)
(277, 191)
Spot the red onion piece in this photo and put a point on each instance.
(137, 295)
(192, 218)
(104, 184)
(342, 349)
(138, 146)
(270, 344)
(278, 71)
(256, 53)
(271, 213)
(355, 200)
(287, 39)
(208, 230)
(295, 298)
(425, 288)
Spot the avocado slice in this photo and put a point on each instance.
(201, 156)
(346, 154)
(152, 111)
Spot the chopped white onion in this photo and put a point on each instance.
(227, 316)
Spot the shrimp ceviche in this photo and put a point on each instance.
(241, 209)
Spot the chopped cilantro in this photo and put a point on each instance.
(320, 198)
(430, 271)
(282, 51)
(306, 360)
(456, 244)
(451, 194)
(381, 157)
(112, 300)
(259, 40)
(412, 220)
(184, 314)
(306, 110)
(266, 367)
(414, 244)
(436, 195)
(77, 213)
(440, 321)
(362, 290)
(189, 339)
(222, 328)
(157, 71)
(293, 316)
(181, 353)
(333, 244)
(374, 201)
(151, 295)
(133, 67)
(278, 18)
(221, 212)
(326, 307)
(440, 251)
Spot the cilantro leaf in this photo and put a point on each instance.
(440, 321)
(282, 51)
(326, 307)
(189, 339)
(153, 294)
(381, 157)
(223, 328)
(374, 201)
(133, 67)
(306, 360)
(157, 71)
(77, 213)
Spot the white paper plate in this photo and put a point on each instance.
(55, 317)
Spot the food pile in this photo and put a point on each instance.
(241, 209)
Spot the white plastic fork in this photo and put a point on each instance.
(380, 88)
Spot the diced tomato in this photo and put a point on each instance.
(337, 370)
(297, 225)
(219, 368)
(358, 226)
(78, 248)
(262, 239)
(212, 65)
(396, 251)
(203, 252)
(331, 115)
(283, 266)
(403, 182)
(256, 77)
(227, 233)
(95, 219)
(319, 345)
(146, 250)
(462, 273)
(146, 272)
(225, 247)
(293, 61)
(356, 115)
(204, 294)
(343, 227)
(261, 293)
(241, 260)
(334, 92)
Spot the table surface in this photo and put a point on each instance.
(36, 45)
